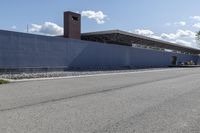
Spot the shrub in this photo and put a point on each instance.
(3, 81)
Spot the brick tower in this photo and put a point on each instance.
(72, 25)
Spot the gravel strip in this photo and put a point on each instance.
(63, 74)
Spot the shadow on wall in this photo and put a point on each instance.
(98, 56)
(107, 56)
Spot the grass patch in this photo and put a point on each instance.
(3, 81)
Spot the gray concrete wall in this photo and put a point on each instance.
(19, 50)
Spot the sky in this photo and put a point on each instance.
(175, 21)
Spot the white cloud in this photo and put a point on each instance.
(180, 23)
(99, 16)
(185, 33)
(14, 27)
(168, 36)
(184, 37)
(197, 18)
(156, 37)
(194, 41)
(197, 25)
(186, 43)
(144, 32)
(168, 24)
(48, 28)
(179, 34)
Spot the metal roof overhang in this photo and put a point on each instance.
(127, 39)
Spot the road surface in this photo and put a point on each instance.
(159, 101)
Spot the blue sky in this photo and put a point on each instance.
(171, 20)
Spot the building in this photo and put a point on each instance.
(129, 39)
(98, 50)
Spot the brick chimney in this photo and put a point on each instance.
(72, 25)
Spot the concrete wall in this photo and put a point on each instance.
(19, 50)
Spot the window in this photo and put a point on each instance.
(74, 18)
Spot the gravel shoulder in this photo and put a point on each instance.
(16, 76)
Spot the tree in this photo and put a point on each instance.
(198, 37)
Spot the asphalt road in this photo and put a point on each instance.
(165, 101)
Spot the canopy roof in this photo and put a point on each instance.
(128, 39)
